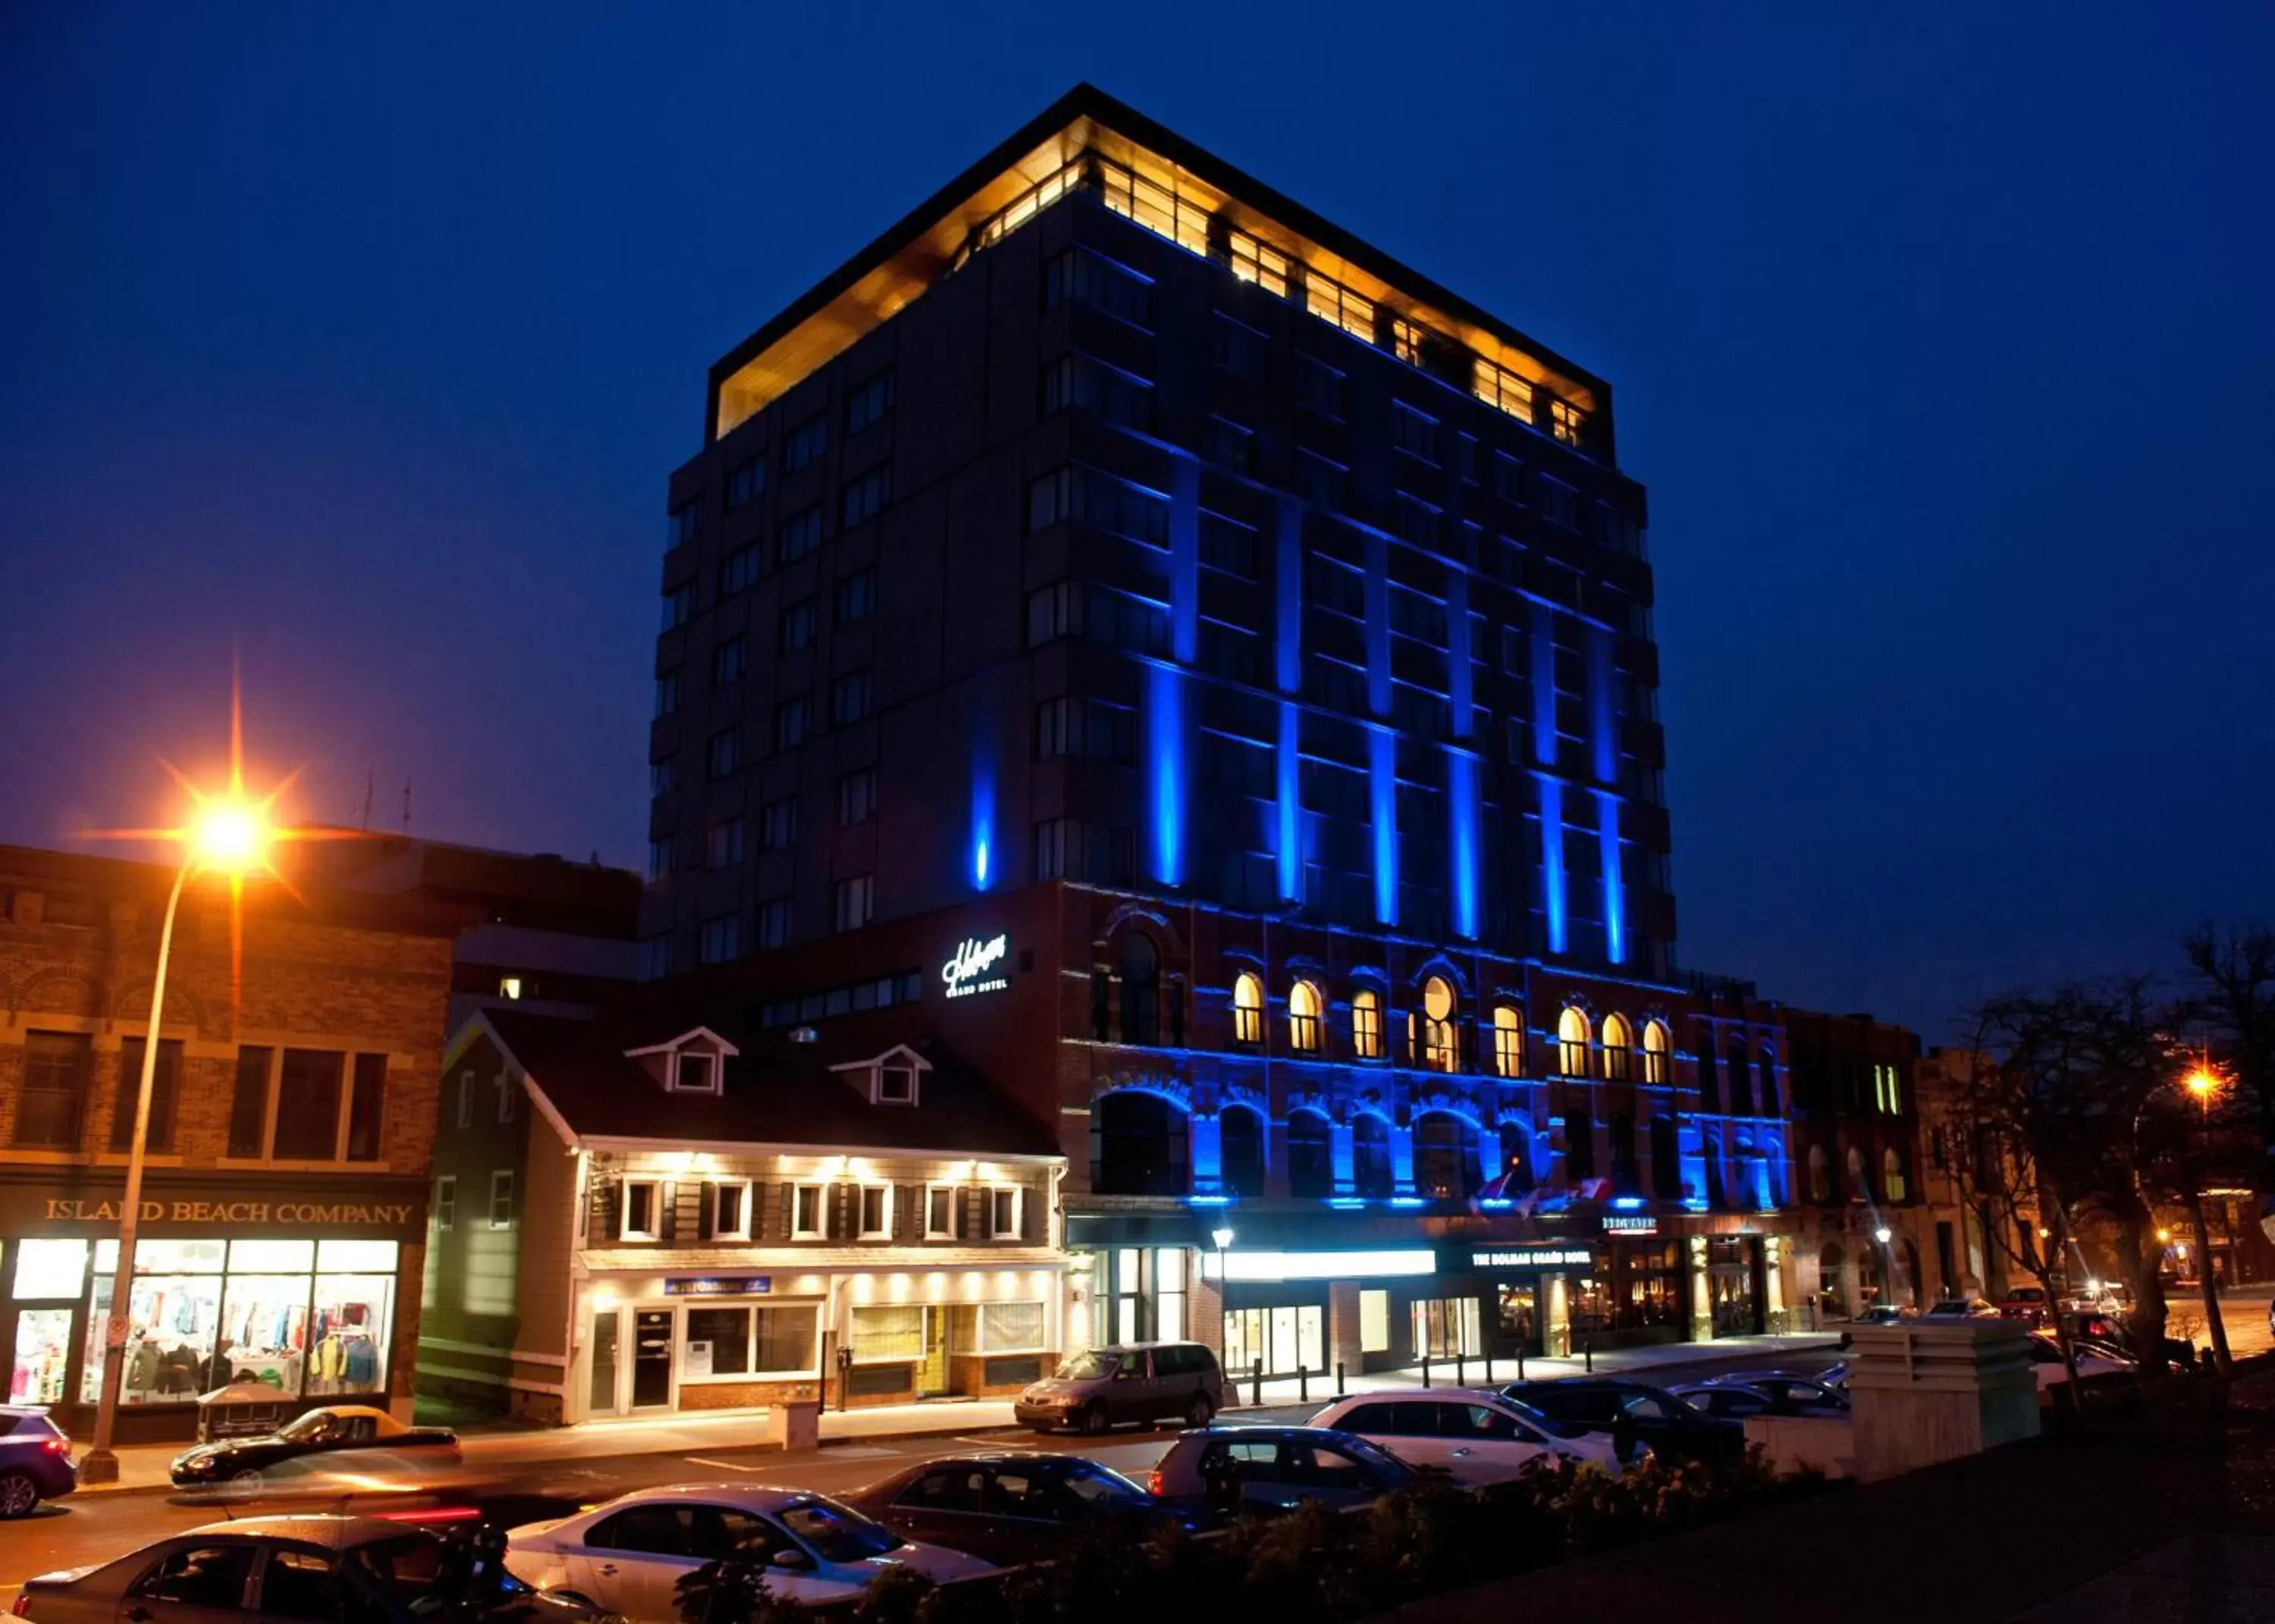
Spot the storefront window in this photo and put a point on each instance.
(43, 1349)
(1010, 1327)
(1731, 1272)
(893, 1332)
(1169, 1294)
(750, 1340)
(1287, 1339)
(308, 1319)
(1519, 1306)
(49, 1269)
(1447, 1327)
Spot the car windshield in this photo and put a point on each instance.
(1546, 1423)
(1098, 1486)
(316, 1424)
(1089, 1366)
(837, 1533)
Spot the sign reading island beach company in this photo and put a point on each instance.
(978, 967)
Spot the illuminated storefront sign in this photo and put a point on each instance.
(1238, 1265)
(1533, 1258)
(978, 967)
(1644, 1223)
(714, 1286)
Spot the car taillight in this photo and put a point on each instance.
(1153, 1483)
(23, 1607)
(448, 1514)
(58, 1446)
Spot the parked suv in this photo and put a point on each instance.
(1135, 1381)
(35, 1462)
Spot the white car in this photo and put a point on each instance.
(628, 1555)
(1473, 1432)
(2046, 1362)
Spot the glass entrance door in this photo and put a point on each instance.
(651, 1358)
(932, 1372)
(607, 1324)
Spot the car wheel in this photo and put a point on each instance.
(249, 1475)
(1200, 1412)
(20, 1496)
(1094, 1418)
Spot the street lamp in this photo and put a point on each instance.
(229, 836)
(1883, 1235)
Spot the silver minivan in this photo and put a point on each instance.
(1133, 1381)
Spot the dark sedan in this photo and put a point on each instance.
(1010, 1508)
(366, 1570)
(1633, 1411)
(320, 1433)
(1789, 1395)
(35, 1462)
(1218, 1472)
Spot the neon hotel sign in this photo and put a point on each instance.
(978, 967)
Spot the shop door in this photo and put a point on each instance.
(932, 1374)
(1519, 1303)
(41, 1354)
(651, 1358)
(608, 1327)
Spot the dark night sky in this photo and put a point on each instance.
(366, 336)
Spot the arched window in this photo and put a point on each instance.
(1310, 1156)
(1247, 1008)
(1858, 1189)
(1618, 1049)
(1654, 1053)
(1445, 1156)
(1434, 1048)
(1579, 1138)
(1141, 989)
(1304, 1018)
(1665, 1151)
(1623, 1154)
(1137, 1145)
(1240, 1149)
(1742, 1094)
(1366, 1023)
(1765, 1092)
(1371, 1171)
(1820, 1176)
(1516, 1157)
(1572, 1043)
(1893, 1185)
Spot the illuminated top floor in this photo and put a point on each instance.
(1089, 144)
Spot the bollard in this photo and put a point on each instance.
(1338, 1378)
(1520, 1361)
(1489, 1380)
(1256, 1380)
(1303, 1383)
(1426, 1368)
(1461, 1368)
(1588, 1353)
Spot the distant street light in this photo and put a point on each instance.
(1883, 1235)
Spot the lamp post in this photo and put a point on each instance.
(229, 837)
(2203, 1083)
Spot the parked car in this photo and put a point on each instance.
(1010, 1508)
(264, 1568)
(1214, 1472)
(1634, 1410)
(1886, 1314)
(1792, 1393)
(2046, 1363)
(320, 1432)
(1136, 1381)
(35, 1462)
(1962, 1308)
(1476, 1434)
(2027, 1303)
(629, 1555)
(2107, 1332)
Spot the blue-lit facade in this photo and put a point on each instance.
(1259, 598)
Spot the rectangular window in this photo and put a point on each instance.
(1003, 1214)
(869, 403)
(678, 604)
(1078, 381)
(1567, 421)
(643, 1209)
(1319, 387)
(730, 1211)
(940, 1212)
(1497, 385)
(793, 721)
(778, 823)
(808, 1212)
(1414, 520)
(501, 1198)
(694, 1071)
(797, 625)
(1413, 432)
(726, 664)
(746, 482)
(656, 958)
(1228, 545)
(662, 776)
(720, 941)
(1238, 348)
(744, 1341)
(1508, 477)
(1090, 729)
(851, 902)
(800, 534)
(367, 1107)
(1319, 482)
(682, 525)
(1333, 303)
(446, 1202)
(308, 1105)
(876, 1212)
(722, 843)
(805, 443)
(897, 1085)
(55, 1066)
(857, 797)
(248, 1110)
(1228, 445)
(1068, 849)
(658, 856)
(724, 752)
(849, 697)
(165, 1086)
(864, 497)
(774, 922)
(856, 597)
(741, 569)
(1253, 260)
(1560, 503)
(1087, 279)
(667, 693)
(1410, 341)
(1100, 500)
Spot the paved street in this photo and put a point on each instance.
(94, 1528)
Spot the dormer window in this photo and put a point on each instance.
(694, 1063)
(897, 1085)
(892, 1078)
(694, 1071)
